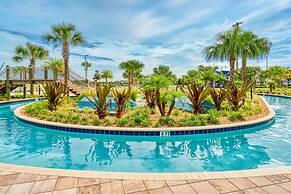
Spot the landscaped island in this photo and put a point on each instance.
(68, 112)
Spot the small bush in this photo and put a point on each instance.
(95, 122)
(167, 121)
(234, 116)
(122, 122)
(213, 116)
(176, 112)
(184, 122)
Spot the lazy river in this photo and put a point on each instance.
(265, 146)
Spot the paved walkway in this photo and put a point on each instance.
(16, 183)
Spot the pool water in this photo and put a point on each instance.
(254, 148)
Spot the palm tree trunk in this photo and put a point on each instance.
(106, 79)
(244, 68)
(32, 72)
(232, 66)
(66, 55)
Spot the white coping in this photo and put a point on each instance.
(146, 176)
(271, 115)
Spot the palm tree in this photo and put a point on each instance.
(132, 68)
(164, 70)
(225, 48)
(106, 74)
(86, 66)
(31, 52)
(56, 65)
(252, 47)
(65, 34)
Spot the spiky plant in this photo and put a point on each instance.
(53, 92)
(218, 96)
(149, 95)
(121, 98)
(236, 93)
(196, 93)
(99, 99)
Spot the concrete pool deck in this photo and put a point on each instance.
(18, 179)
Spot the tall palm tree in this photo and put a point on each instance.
(31, 52)
(86, 66)
(132, 68)
(252, 47)
(225, 48)
(56, 65)
(65, 34)
(106, 74)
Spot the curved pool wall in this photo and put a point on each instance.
(260, 147)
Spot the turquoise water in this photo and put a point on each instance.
(255, 148)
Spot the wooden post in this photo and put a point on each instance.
(39, 89)
(7, 82)
(45, 73)
(24, 91)
(31, 80)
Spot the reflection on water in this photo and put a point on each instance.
(28, 145)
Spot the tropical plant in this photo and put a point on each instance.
(56, 65)
(106, 74)
(275, 74)
(166, 101)
(65, 34)
(134, 94)
(132, 69)
(32, 53)
(196, 93)
(252, 47)
(99, 99)
(86, 66)
(165, 71)
(53, 92)
(121, 98)
(227, 47)
(218, 96)
(150, 97)
(236, 93)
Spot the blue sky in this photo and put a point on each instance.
(168, 32)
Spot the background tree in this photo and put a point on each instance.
(65, 34)
(97, 76)
(165, 71)
(107, 74)
(56, 65)
(132, 69)
(31, 52)
(86, 66)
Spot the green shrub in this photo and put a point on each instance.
(167, 121)
(213, 116)
(134, 94)
(95, 122)
(234, 116)
(122, 122)
(184, 122)
(72, 118)
(176, 112)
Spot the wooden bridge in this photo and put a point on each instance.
(12, 78)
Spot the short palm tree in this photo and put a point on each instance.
(86, 66)
(65, 34)
(31, 52)
(132, 69)
(106, 74)
(56, 65)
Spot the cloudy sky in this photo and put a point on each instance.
(168, 32)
